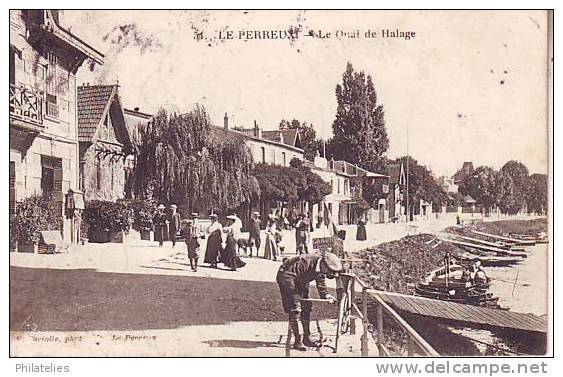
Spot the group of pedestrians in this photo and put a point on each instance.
(224, 242)
(215, 252)
(221, 241)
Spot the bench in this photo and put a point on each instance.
(51, 242)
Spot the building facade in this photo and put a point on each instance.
(347, 181)
(44, 59)
(275, 147)
(462, 174)
(104, 142)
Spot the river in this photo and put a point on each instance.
(523, 287)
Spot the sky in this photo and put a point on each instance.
(470, 86)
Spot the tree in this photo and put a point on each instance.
(308, 135)
(505, 198)
(290, 184)
(421, 184)
(536, 195)
(518, 173)
(481, 186)
(182, 159)
(359, 134)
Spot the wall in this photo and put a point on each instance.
(105, 190)
(59, 137)
(273, 152)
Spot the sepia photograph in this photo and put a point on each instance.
(280, 183)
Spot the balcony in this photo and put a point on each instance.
(26, 107)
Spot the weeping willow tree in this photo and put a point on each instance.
(183, 159)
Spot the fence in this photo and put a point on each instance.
(415, 342)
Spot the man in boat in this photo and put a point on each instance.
(293, 279)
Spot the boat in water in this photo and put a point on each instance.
(458, 283)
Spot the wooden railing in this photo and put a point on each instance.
(26, 104)
(349, 311)
(415, 342)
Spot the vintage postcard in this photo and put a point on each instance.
(286, 183)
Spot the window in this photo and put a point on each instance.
(283, 158)
(51, 176)
(98, 175)
(338, 186)
(111, 176)
(51, 95)
(263, 154)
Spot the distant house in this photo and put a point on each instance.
(397, 184)
(104, 142)
(346, 181)
(276, 147)
(462, 174)
(447, 184)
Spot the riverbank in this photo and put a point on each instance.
(397, 266)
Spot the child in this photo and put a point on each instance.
(190, 237)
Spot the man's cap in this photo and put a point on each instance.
(213, 216)
(333, 262)
(161, 206)
(256, 214)
(173, 206)
(231, 217)
(194, 214)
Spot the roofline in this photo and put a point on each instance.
(134, 112)
(81, 45)
(295, 149)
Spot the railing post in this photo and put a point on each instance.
(410, 346)
(352, 301)
(365, 351)
(380, 329)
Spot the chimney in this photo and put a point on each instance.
(136, 109)
(281, 138)
(226, 122)
(257, 130)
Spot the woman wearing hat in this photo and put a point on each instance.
(213, 249)
(271, 246)
(229, 256)
(159, 222)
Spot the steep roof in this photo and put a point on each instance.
(290, 136)
(396, 173)
(94, 102)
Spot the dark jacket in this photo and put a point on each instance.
(254, 230)
(175, 220)
(303, 270)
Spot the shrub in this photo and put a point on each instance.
(102, 216)
(33, 215)
(142, 211)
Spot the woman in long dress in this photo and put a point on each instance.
(361, 234)
(271, 246)
(213, 248)
(229, 257)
